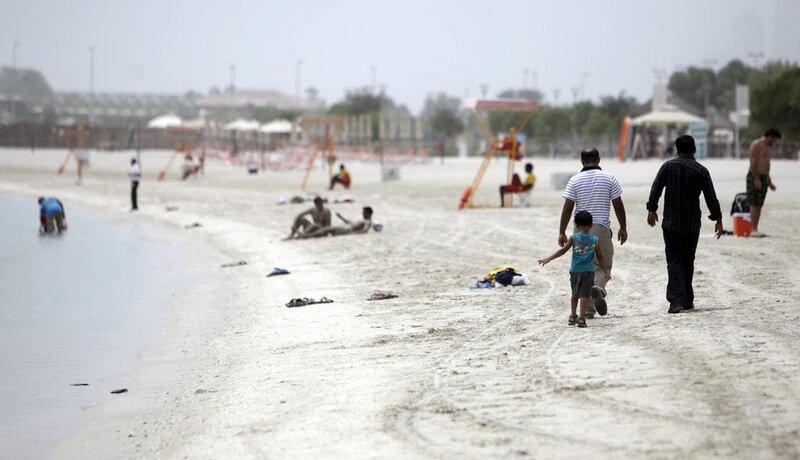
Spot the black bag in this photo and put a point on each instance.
(740, 203)
(505, 277)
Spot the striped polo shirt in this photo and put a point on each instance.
(592, 190)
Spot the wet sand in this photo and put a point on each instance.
(443, 371)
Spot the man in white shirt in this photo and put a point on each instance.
(135, 174)
(594, 190)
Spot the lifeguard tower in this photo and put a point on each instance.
(507, 147)
(321, 134)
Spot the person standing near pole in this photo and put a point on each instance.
(595, 190)
(135, 174)
(758, 179)
(683, 178)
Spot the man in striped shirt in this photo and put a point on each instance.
(595, 190)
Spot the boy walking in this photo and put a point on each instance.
(581, 270)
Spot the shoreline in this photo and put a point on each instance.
(443, 371)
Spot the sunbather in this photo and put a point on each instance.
(361, 226)
(320, 217)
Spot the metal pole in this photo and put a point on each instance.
(14, 55)
(297, 70)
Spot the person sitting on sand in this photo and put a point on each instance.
(581, 270)
(342, 178)
(517, 185)
(189, 167)
(362, 226)
(51, 210)
(320, 217)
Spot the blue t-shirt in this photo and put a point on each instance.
(50, 207)
(583, 252)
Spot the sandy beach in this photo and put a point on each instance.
(442, 371)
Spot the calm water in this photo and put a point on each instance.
(73, 309)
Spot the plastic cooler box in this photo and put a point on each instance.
(742, 225)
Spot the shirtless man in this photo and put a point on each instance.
(362, 226)
(758, 176)
(320, 217)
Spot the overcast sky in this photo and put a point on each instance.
(415, 46)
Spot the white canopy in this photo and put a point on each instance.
(242, 125)
(666, 116)
(197, 123)
(278, 127)
(165, 121)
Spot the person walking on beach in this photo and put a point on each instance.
(683, 178)
(51, 211)
(595, 190)
(135, 174)
(320, 217)
(758, 178)
(582, 268)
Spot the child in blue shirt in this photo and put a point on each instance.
(581, 270)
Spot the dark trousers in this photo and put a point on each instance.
(680, 249)
(134, 195)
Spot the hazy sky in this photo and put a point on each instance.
(415, 46)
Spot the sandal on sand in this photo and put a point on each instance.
(573, 319)
(581, 322)
(382, 295)
(307, 301)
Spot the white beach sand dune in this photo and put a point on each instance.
(443, 371)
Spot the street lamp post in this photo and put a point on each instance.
(14, 55)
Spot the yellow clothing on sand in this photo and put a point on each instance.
(530, 180)
(344, 175)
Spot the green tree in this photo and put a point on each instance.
(775, 99)
(734, 73)
(446, 122)
(695, 85)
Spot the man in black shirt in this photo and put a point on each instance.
(684, 178)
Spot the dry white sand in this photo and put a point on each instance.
(444, 371)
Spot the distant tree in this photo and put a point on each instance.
(270, 113)
(530, 94)
(734, 73)
(696, 86)
(440, 101)
(775, 99)
(446, 122)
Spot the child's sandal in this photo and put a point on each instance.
(581, 322)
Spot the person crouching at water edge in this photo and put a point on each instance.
(342, 178)
(581, 270)
(51, 211)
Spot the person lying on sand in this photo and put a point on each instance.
(320, 217)
(362, 226)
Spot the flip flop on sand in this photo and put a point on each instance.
(234, 264)
(193, 225)
(382, 295)
(278, 271)
(307, 301)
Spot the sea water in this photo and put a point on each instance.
(74, 308)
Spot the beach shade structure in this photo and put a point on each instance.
(76, 138)
(507, 147)
(321, 132)
(165, 122)
(242, 125)
(278, 127)
(668, 121)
